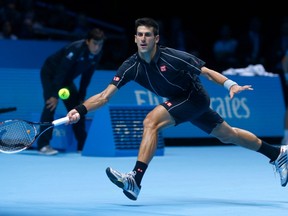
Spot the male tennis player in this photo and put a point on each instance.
(174, 74)
(79, 58)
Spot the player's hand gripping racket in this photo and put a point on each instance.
(17, 135)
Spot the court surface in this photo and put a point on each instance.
(196, 180)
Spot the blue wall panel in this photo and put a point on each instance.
(260, 111)
(26, 53)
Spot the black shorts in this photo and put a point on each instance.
(194, 107)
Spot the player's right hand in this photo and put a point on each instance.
(73, 116)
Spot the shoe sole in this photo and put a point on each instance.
(284, 185)
(119, 184)
(129, 195)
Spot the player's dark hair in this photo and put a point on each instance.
(95, 34)
(148, 22)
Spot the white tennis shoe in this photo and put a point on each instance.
(281, 165)
(126, 181)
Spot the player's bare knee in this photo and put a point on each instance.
(228, 137)
(225, 139)
(150, 122)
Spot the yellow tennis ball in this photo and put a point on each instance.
(64, 93)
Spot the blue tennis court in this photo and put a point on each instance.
(194, 180)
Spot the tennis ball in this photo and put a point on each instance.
(64, 93)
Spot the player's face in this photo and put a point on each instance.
(94, 46)
(145, 39)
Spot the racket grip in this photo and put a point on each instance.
(60, 121)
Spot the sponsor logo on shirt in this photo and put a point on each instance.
(116, 78)
(163, 68)
(169, 104)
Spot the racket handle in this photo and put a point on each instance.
(60, 121)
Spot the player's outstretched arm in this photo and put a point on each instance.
(220, 79)
(92, 103)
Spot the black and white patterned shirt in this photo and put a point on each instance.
(169, 74)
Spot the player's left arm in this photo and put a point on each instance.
(230, 85)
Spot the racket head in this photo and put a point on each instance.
(16, 135)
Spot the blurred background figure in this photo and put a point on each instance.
(279, 46)
(251, 49)
(177, 34)
(81, 25)
(79, 58)
(7, 31)
(225, 49)
(30, 25)
(10, 12)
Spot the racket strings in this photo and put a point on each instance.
(16, 135)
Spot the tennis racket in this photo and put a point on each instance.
(17, 135)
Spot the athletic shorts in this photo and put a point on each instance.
(194, 107)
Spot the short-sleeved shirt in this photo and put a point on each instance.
(172, 74)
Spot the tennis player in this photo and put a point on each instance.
(174, 74)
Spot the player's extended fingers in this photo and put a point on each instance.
(247, 87)
(231, 93)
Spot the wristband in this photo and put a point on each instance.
(82, 110)
(229, 83)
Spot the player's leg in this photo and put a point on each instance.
(227, 134)
(155, 121)
(172, 112)
(278, 155)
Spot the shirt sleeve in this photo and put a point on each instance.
(194, 64)
(125, 73)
